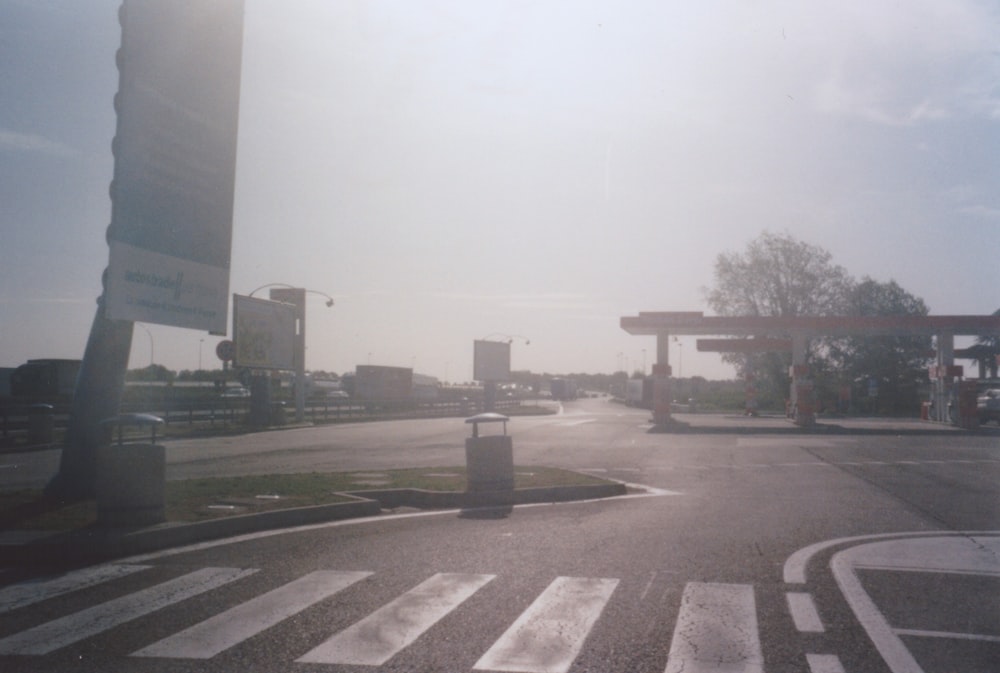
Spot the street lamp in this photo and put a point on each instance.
(509, 337)
(150, 334)
(680, 358)
(297, 297)
(329, 299)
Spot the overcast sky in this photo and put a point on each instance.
(452, 170)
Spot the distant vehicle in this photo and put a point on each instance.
(988, 406)
(50, 379)
(563, 389)
(639, 393)
(236, 391)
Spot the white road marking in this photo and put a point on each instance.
(59, 633)
(716, 631)
(795, 565)
(946, 634)
(547, 637)
(377, 638)
(231, 627)
(26, 593)
(932, 554)
(804, 612)
(569, 424)
(824, 663)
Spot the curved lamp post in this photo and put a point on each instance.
(329, 299)
(150, 335)
(509, 337)
(296, 296)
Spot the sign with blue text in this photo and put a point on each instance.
(175, 162)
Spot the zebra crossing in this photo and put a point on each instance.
(716, 628)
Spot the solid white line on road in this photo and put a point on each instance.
(377, 638)
(941, 571)
(716, 631)
(569, 424)
(547, 637)
(946, 634)
(795, 565)
(59, 633)
(231, 627)
(824, 663)
(804, 612)
(26, 593)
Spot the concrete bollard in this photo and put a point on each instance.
(131, 485)
(40, 424)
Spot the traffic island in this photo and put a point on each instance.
(42, 532)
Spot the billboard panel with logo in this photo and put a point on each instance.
(491, 361)
(175, 160)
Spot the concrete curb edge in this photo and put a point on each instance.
(94, 545)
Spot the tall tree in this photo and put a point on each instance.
(889, 371)
(779, 276)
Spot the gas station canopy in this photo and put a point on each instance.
(696, 323)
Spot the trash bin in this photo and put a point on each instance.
(40, 424)
(489, 461)
(131, 478)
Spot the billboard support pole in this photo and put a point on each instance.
(297, 297)
(97, 397)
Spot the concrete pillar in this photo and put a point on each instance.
(661, 380)
(942, 382)
(801, 394)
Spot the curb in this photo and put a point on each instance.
(95, 544)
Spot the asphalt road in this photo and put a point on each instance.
(867, 547)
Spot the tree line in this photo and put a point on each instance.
(780, 276)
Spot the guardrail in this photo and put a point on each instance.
(16, 418)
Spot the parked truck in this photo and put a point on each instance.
(383, 385)
(49, 380)
(639, 393)
(563, 389)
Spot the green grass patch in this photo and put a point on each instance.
(199, 499)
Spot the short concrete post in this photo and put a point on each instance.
(131, 485)
(131, 478)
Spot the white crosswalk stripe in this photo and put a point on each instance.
(231, 627)
(20, 595)
(716, 629)
(377, 638)
(59, 633)
(547, 637)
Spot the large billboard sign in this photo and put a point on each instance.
(263, 333)
(491, 361)
(175, 161)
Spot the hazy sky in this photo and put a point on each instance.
(449, 170)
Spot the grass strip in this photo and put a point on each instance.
(192, 500)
